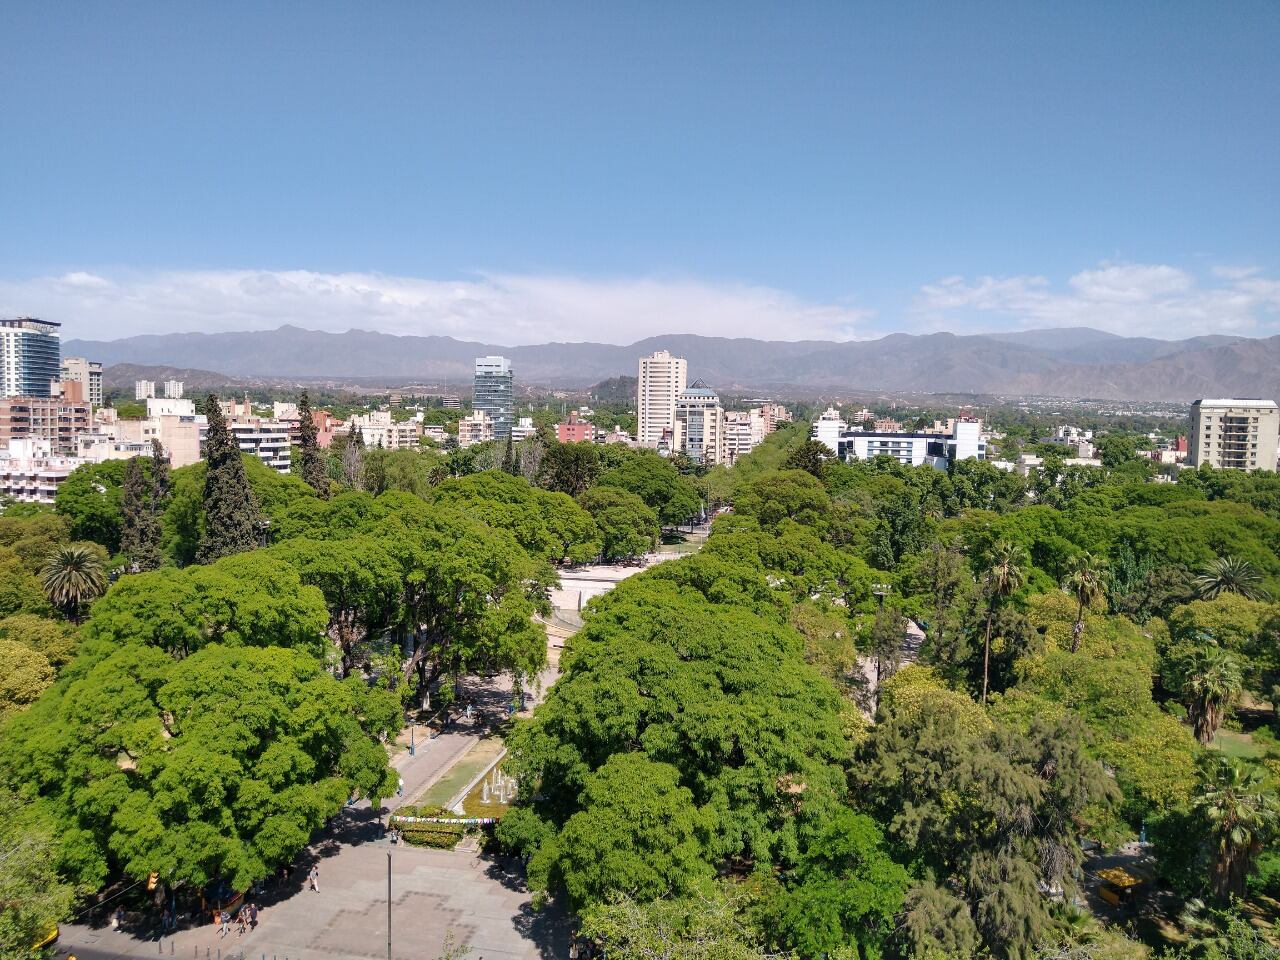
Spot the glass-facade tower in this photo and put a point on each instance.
(494, 393)
(30, 357)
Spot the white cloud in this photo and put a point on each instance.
(500, 309)
(1134, 299)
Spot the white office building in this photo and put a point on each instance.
(1234, 433)
(699, 425)
(173, 389)
(829, 428)
(662, 378)
(144, 389)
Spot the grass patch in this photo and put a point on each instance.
(451, 784)
(1237, 745)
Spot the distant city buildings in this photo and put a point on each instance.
(959, 438)
(1236, 433)
(144, 389)
(476, 428)
(55, 420)
(31, 472)
(173, 389)
(699, 425)
(494, 389)
(523, 430)
(30, 356)
(380, 429)
(87, 372)
(662, 378)
(574, 430)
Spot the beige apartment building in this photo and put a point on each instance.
(661, 380)
(1234, 433)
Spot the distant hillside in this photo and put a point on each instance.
(122, 376)
(1070, 362)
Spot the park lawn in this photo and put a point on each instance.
(1237, 745)
(475, 760)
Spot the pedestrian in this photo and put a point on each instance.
(224, 923)
(253, 916)
(242, 922)
(117, 918)
(166, 918)
(400, 791)
(314, 877)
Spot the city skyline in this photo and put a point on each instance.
(820, 172)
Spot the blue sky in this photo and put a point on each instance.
(524, 172)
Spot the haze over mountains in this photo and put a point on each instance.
(1069, 362)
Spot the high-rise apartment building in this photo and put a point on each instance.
(88, 372)
(699, 425)
(661, 381)
(494, 387)
(1240, 434)
(30, 357)
(144, 389)
(173, 389)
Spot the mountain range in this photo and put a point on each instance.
(1067, 362)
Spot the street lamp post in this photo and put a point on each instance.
(412, 750)
(388, 905)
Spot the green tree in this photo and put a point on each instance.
(628, 527)
(569, 467)
(161, 478)
(222, 764)
(314, 469)
(1242, 812)
(73, 577)
(1086, 582)
(20, 591)
(231, 515)
(846, 890)
(141, 534)
(26, 675)
(90, 498)
(1004, 575)
(702, 926)
(1230, 575)
(1210, 682)
(33, 897)
(811, 457)
(362, 585)
(637, 835)
(656, 482)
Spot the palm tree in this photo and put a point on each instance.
(1243, 814)
(1230, 575)
(72, 577)
(1211, 682)
(1085, 581)
(1005, 574)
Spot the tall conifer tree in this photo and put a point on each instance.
(230, 513)
(314, 470)
(140, 532)
(161, 480)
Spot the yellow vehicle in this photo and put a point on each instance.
(49, 938)
(1117, 886)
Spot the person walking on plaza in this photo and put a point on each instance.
(253, 916)
(224, 923)
(314, 877)
(400, 790)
